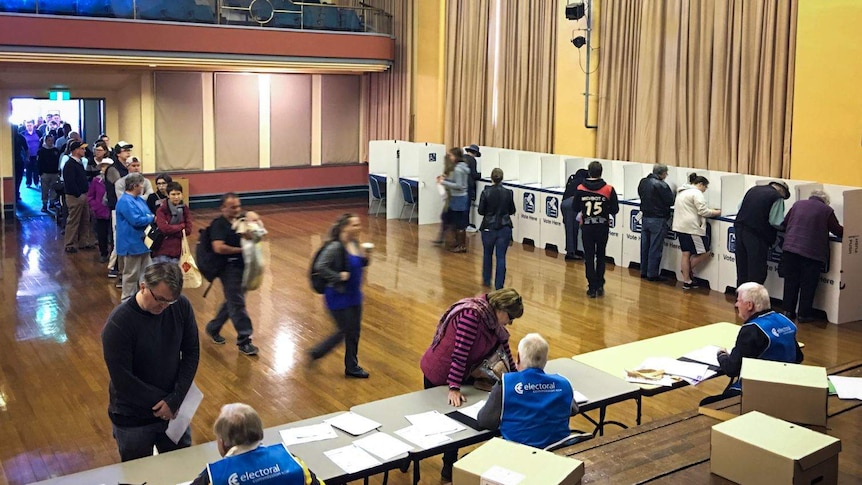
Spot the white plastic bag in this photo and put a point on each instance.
(191, 274)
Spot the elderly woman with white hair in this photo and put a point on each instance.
(806, 252)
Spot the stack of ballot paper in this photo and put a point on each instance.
(430, 429)
(847, 387)
(353, 423)
(707, 355)
(665, 371)
(307, 434)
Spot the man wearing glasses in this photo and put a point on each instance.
(150, 344)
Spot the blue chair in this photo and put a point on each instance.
(376, 193)
(409, 198)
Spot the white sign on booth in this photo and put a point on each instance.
(528, 212)
(552, 230)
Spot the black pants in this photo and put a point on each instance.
(233, 306)
(348, 320)
(19, 175)
(751, 253)
(32, 172)
(800, 282)
(103, 228)
(595, 238)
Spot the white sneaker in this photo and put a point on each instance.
(472, 229)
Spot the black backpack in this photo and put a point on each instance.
(318, 283)
(209, 263)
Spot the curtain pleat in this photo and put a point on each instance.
(698, 84)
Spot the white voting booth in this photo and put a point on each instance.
(489, 160)
(383, 163)
(429, 162)
(552, 182)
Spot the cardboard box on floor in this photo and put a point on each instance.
(755, 448)
(792, 392)
(501, 462)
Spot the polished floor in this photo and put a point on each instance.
(54, 385)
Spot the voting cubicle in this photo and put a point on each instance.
(383, 165)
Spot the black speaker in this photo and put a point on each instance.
(575, 11)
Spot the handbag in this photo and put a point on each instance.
(491, 370)
(192, 277)
(153, 237)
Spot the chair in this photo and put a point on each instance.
(376, 194)
(409, 198)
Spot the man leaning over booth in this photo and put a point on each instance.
(529, 406)
(239, 432)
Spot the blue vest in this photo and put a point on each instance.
(271, 465)
(536, 407)
(782, 340)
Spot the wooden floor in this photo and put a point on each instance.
(54, 385)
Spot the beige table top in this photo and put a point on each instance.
(615, 360)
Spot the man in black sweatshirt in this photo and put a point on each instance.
(597, 203)
(150, 344)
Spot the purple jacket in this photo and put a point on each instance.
(95, 198)
(807, 227)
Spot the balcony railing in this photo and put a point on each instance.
(280, 14)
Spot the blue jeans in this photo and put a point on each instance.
(137, 442)
(571, 226)
(164, 259)
(653, 232)
(495, 240)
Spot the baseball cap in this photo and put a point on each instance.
(783, 185)
(106, 161)
(123, 145)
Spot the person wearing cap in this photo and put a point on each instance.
(96, 198)
(761, 213)
(117, 170)
(78, 232)
(471, 153)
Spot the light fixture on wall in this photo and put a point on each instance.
(576, 11)
(579, 41)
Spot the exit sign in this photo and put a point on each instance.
(59, 95)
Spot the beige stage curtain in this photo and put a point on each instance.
(237, 121)
(339, 118)
(178, 121)
(698, 84)
(469, 72)
(526, 71)
(386, 95)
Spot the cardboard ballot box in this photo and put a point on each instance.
(755, 448)
(501, 462)
(792, 392)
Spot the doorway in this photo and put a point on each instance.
(33, 118)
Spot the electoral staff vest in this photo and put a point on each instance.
(271, 465)
(782, 339)
(536, 407)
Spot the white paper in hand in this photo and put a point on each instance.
(472, 410)
(178, 426)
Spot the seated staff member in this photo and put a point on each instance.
(529, 406)
(239, 432)
(766, 335)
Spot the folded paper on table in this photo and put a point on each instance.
(351, 458)
(353, 423)
(307, 434)
(433, 422)
(473, 410)
(416, 436)
(383, 445)
(847, 387)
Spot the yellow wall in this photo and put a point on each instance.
(129, 122)
(827, 103)
(570, 135)
(429, 68)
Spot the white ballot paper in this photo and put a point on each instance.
(497, 475)
(415, 436)
(473, 410)
(847, 387)
(351, 458)
(383, 445)
(580, 398)
(353, 423)
(433, 422)
(178, 426)
(707, 355)
(307, 434)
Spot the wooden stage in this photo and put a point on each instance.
(54, 385)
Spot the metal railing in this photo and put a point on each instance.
(279, 14)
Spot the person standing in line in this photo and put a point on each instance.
(471, 153)
(116, 171)
(496, 205)
(226, 242)
(597, 203)
(760, 214)
(33, 143)
(173, 219)
(570, 220)
(689, 222)
(656, 201)
(806, 252)
(48, 160)
(341, 264)
(445, 223)
(133, 217)
(96, 196)
(151, 348)
(459, 201)
(157, 198)
(78, 232)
